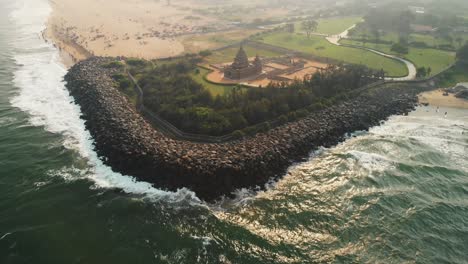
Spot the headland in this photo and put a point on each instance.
(130, 145)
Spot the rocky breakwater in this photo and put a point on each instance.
(130, 145)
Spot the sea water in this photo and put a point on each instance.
(395, 194)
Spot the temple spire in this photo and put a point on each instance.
(241, 60)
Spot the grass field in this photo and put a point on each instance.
(333, 26)
(214, 89)
(438, 60)
(227, 55)
(321, 47)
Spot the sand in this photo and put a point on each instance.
(137, 28)
(152, 29)
(436, 98)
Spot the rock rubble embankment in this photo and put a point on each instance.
(130, 145)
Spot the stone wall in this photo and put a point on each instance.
(133, 147)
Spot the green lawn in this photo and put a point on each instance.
(438, 60)
(336, 25)
(333, 26)
(214, 89)
(227, 55)
(321, 47)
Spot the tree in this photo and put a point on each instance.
(309, 26)
(290, 28)
(449, 39)
(400, 48)
(462, 53)
(364, 38)
(205, 53)
(404, 22)
(459, 41)
(376, 34)
(421, 72)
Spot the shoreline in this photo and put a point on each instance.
(140, 29)
(436, 98)
(214, 169)
(70, 53)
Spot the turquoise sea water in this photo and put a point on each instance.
(396, 194)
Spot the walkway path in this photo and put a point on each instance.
(335, 40)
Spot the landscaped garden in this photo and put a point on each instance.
(435, 59)
(228, 54)
(331, 26)
(319, 46)
(429, 40)
(175, 90)
(199, 75)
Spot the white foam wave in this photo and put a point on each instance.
(372, 162)
(43, 95)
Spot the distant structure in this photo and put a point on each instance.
(422, 28)
(241, 68)
(417, 9)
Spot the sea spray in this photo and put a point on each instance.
(42, 94)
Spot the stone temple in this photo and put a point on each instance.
(241, 68)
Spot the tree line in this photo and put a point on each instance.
(171, 93)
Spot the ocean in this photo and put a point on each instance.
(395, 194)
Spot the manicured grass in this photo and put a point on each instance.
(438, 60)
(214, 89)
(227, 55)
(336, 25)
(332, 26)
(457, 74)
(321, 47)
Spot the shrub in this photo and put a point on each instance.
(136, 62)
(205, 53)
(462, 53)
(238, 134)
(283, 119)
(399, 48)
(114, 65)
(419, 44)
(446, 47)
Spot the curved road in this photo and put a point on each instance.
(335, 40)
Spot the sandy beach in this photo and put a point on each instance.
(437, 98)
(139, 28)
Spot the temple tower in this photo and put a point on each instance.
(241, 68)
